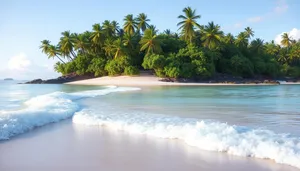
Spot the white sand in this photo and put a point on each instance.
(142, 80)
(66, 146)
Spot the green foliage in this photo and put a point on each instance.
(172, 71)
(65, 68)
(155, 62)
(82, 63)
(97, 67)
(114, 68)
(290, 71)
(131, 70)
(117, 66)
(189, 62)
(199, 52)
(169, 44)
(241, 66)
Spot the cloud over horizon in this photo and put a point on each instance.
(294, 34)
(21, 67)
(19, 62)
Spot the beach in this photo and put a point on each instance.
(144, 80)
(66, 146)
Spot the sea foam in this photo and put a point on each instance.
(45, 109)
(205, 135)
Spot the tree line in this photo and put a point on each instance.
(197, 51)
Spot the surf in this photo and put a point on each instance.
(45, 109)
(203, 134)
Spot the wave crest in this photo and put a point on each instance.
(205, 135)
(45, 109)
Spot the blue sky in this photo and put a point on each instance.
(23, 24)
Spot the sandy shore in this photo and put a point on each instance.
(66, 146)
(143, 80)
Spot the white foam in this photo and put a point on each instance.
(206, 135)
(45, 109)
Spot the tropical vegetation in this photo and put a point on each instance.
(197, 51)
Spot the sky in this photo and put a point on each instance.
(24, 24)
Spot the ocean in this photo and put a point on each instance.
(250, 121)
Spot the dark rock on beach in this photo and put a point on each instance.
(225, 79)
(60, 80)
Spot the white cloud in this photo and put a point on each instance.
(281, 7)
(19, 62)
(255, 19)
(237, 25)
(294, 34)
(22, 68)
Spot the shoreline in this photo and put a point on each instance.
(67, 146)
(150, 80)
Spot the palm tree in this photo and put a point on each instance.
(153, 27)
(107, 28)
(108, 46)
(272, 48)
(113, 48)
(81, 43)
(286, 40)
(118, 48)
(45, 46)
(212, 35)
(50, 50)
(168, 32)
(249, 32)
(257, 45)
(130, 24)
(242, 40)
(176, 36)
(96, 35)
(115, 27)
(150, 42)
(54, 52)
(142, 22)
(128, 40)
(66, 45)
(229, 38)
(120, 33)
(188, 24)
(294, 54)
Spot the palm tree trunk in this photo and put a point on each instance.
(70, 57)
(60, 59)
(73, 54)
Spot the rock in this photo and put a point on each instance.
(8, 79)
(36, 81)
(60, 80)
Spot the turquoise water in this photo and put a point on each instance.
(250, 121)
(270, 107)
(13, 94)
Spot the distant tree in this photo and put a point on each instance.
(286, 40)
(212, 35)
(150, 42)
(130, 25)
(188, 23)
(142, 21)
(249, 32)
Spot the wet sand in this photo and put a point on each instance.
(66, 146)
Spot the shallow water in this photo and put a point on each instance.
(250, 121)
(275, 108)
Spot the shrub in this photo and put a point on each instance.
(114, 68)
(97, 67)
(131, 70)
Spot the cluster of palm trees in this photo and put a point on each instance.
(138, 38)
